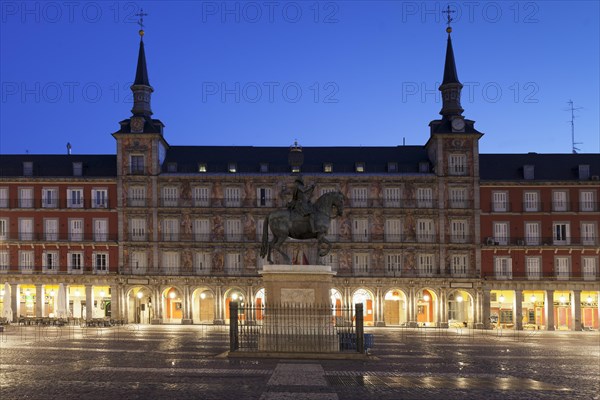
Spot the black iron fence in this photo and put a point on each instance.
(297, 328)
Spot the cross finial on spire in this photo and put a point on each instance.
(448, 13)
(140, 22)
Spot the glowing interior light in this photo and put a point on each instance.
(202, 296)
(589, 299)
(52, 293)
(172, 295)
(501, 298)
(562, 299)
(102, 293)
(140, 295)
(77, 294)
(27, 292)
(426, 297)
(459, 298)
(533, 298)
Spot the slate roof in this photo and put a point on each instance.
(450, 74)
(547, 167)
(249, 158)
(58, 165)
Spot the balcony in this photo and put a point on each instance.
(61, 237)
(61, 203)
(545, 276)
(541, 241)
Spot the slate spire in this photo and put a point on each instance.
(450, 86)
(142, 91)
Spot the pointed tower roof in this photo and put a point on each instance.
(141, 74)
(450, 75)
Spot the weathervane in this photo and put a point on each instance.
(448, 11)
(140, 22)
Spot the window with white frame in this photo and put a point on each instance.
(202, 262)
(170, 196)
(233, 263)
(391, 197)
(457, 164)
(75, 229)
(393, 264)
(201, 229)
(3, 261)
(3, 197)
(499, 201)
(559, 200)
(459, 265)
(588, 233)
(425, 264)
(75, 262)
(359, 197)
(170, 229)
(360, 229)
(561, 233)
(26, 197)
(532, 233)
(233, 230)
(170, 262)
(101, 230)
(51, 229)
(136, 164)
(49, 197)
(501, 233)
(393, 230)
(533, 267)
(137, 196)
(75, 198)
(137, 229)
(264, 197)
(458, 197)
(50, 261)
(425, 230)
(587, 200)
(424, 197)
(201, 196)
(562, 267)
(531, 201)
(233, 197)
(459, 232)
(99, 198)
(138, 262)
(26, 228)
(589, 267)
(26, 261)
(503, 267)
(3, 228)
(100, 263)
(361, 263)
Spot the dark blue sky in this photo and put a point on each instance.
(325, 73)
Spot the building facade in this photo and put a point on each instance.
(160, 233)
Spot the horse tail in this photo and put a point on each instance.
(264, 248)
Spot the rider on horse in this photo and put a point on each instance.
(301, 204)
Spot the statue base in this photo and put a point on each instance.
(298, 309)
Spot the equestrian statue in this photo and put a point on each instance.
(302, 220)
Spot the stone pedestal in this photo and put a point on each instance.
(298, 309)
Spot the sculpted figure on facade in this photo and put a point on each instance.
(345, 228)
(249, 226)
(218, 228)
(378, 228)
(218, 261)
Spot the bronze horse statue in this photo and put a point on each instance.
(286, 223)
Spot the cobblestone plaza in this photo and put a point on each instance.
(181, 362)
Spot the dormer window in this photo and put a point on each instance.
(77, 169)
(328, 167)
(392, 167)
(360, 167)
(232, 167)
(202, 167)
(264, 167)
(172, 167)
(28, 168)
(295, 169)
(424, 167)
(528, 171)
(584, 172)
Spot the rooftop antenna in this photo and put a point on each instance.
(69, 148)
(574, 149)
